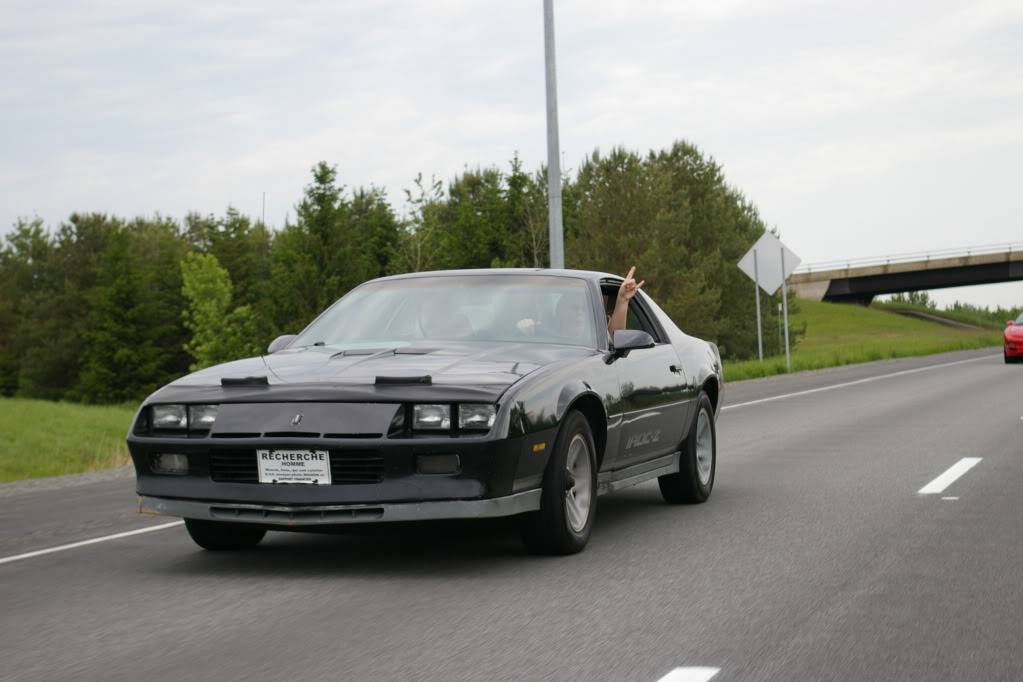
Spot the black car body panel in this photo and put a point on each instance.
(356, 405)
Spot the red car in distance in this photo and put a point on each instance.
(1014, 340)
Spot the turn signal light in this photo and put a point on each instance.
(438, 464)
(168, 463)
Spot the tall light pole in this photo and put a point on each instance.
(555, 227)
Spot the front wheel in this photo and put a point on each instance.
(220, 536)
(568, 500)
(698, 463)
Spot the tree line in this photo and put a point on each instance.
(106, 309)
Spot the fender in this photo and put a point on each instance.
(572, 391)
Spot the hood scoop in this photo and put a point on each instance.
(425, 380)
(244, 381)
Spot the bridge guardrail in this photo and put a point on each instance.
(908, 257)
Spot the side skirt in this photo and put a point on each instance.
(610, 481)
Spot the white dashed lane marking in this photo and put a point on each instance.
(951, 475)
(690, 674)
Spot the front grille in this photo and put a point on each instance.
(234, 466)
(355, 466)
(346, 466)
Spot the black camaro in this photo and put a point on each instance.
(438, 395)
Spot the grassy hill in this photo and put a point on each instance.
(844, 334)
(960, 316)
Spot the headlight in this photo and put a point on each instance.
(476, 417)
(201, 417)
(170, 417)
(431, 417)
(181, 417)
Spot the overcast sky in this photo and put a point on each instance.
(859, 129)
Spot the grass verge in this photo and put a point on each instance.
(845, 334)
(43, 438)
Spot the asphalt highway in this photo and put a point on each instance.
(816, 558)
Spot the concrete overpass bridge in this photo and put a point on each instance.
(859, 281)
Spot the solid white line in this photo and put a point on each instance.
(93, 541)
(950, 498)
(690, 674)
(867, 380)
(949, 477)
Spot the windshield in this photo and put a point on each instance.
(515, 308)
(1019, 320)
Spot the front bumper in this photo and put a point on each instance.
(332, 515)
(1014, 348)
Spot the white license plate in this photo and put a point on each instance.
(294, 466)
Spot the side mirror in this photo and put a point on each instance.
(1009, 323)
(280, 342)
(625, 340)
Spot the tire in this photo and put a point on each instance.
(695, 479)
(568, 502)
(218, 536)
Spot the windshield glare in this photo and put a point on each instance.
(507, 308)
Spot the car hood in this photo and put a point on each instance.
(1015, 332)
(456, 372)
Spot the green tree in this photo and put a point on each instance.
(421, 242)
(671, 214)
(219, 333)
(240, 246)
(24, 280)
(134, 341)
(336, 242)
(376, 229)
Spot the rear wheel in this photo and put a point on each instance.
(220, 536)
(698, 463)
(569, 496)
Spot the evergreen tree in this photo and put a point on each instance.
(135, 339)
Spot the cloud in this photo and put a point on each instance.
(858, 129)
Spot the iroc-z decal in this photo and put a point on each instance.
(641, 439)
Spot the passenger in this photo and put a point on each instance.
(626, 291)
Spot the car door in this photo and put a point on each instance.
(653, 393)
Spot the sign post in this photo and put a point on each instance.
(769, 273)
(756, 292)
(785, 314)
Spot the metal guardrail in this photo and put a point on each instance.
(908, 257)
